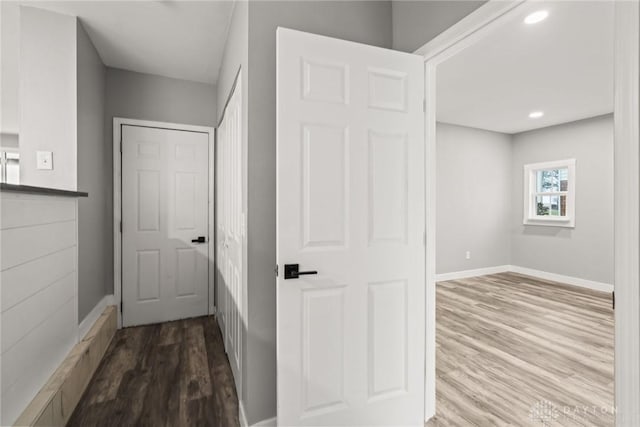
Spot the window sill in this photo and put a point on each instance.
(566, 223)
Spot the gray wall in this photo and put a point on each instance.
(417, 22)
(362, 21)
(473, 198)
(587, 250)
(93, 177)
(234, 58)
(149, 97)
(480, 200)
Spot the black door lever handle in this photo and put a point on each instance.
(200, 239)
(291, 271)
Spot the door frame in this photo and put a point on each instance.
(118, 122)
(468, 31)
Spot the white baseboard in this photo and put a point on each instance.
(242, 415)
(269, 422)
(93, 315)
(569, 280)
(574, 281)
(472, 273)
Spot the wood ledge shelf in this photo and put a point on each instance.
(28, 189)
(55, 402)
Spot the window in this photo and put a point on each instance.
(549, 193)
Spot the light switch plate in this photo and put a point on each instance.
(44, 160)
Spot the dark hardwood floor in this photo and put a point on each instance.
(170, 374)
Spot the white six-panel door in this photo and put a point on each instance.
(230, 231)
(350, 205)
(164, 208)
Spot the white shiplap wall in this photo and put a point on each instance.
(38, 293)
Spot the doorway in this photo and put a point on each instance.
(477, 26)
(161, 208)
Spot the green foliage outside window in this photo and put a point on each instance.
(542, 209)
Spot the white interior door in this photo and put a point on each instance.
(164, 208)
(350, 205)
(230, 230)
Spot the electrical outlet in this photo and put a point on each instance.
(467, 255)
(44, 160)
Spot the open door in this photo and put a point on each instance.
(350, 233)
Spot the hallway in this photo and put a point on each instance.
(169, 374)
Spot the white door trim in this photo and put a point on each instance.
(466, 31)
(626, 189)
(626, 166)
(118, 122)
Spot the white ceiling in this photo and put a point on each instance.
(562, 66)
(179, 39)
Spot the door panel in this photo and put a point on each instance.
(324, 186)
(323, 351)
(164, 207)
(350, 205)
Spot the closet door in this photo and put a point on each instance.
(230, 230)
(165, 187)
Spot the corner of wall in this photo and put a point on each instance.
(94, 263)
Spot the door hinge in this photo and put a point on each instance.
(120, 144)
(276, 270)
(613, 300)
(121, 306)
(120, 226)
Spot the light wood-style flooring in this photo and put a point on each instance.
(170, 374)
(514, 350)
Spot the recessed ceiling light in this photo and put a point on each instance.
(536, 114)
(536, 17)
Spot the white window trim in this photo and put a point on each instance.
(529, 216)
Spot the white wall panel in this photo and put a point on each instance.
(23, 281)
(24, 244)
(39, 318)
(29, 364)
(32, 210)
(21, 319)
